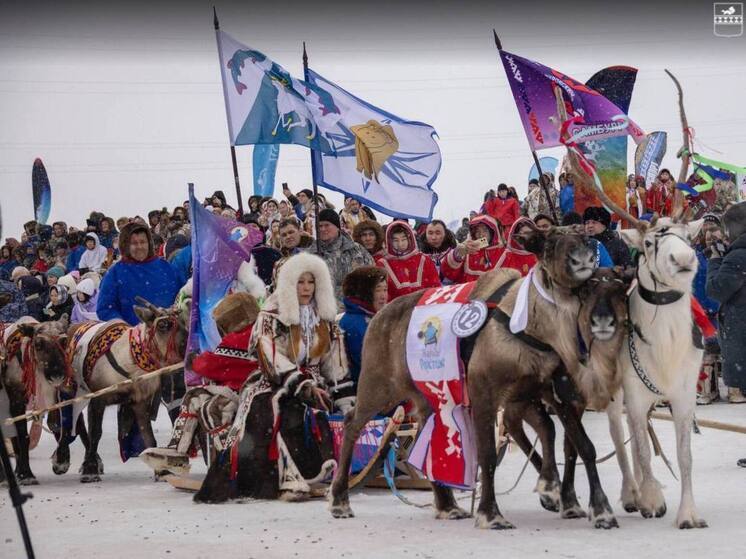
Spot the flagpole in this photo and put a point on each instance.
(313, 164)
(542, 183)
(227, 115)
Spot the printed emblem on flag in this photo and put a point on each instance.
(728, 19)
(374, 144)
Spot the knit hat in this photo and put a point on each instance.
(56, 271)
(235, 312)
(330, 216)
(19, 272)
(307, 191)
(712, 218)
(596, 213)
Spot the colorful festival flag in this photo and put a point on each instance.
(532, 86)
(707, 170)
(382, 160)
(219, 247)
(266, 105)
(609, 155)
(42, 192)
(264, 165)
(649, 156)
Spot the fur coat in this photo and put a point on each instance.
(277, 339)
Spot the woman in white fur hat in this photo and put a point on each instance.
(296, 338)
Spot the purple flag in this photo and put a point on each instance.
(532, 86)
(219, 247)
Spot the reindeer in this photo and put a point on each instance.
(602, 325)
(36, 373)
(106, 353)
(502, 368)
(661, 356)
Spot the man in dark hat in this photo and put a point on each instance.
(339, 251)
(597, 222)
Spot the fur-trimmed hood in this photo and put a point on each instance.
(286, 295)
(369, 225)
(403, 227)
(361, 283)
(124, 240)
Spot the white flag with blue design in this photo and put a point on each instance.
(384, 161)
(266, 105)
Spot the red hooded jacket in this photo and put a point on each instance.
(408, 272)
(462, 269)
(514, 256)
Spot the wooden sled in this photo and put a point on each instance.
(185, 483)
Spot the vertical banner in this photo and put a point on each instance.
(264, 163)
(649, 155)
(609, 155)
(41, 191)
(219, 247)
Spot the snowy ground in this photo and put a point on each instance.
(128, 515)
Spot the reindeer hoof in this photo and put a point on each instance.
(90, 478)
(691, 523)
(341, 511)
(549, 502)
(605, 522)
(630, 507)
(660, 511)
(497, 522)
(573, 512)
(29, 480)
(60, 468)
(456, 513)
(549, 494)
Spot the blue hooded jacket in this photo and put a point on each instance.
(354, 324)
(152, 279)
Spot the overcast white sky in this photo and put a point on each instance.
(124, 103)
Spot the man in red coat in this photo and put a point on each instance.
(407, 269)
(504, 208)
(477, 255)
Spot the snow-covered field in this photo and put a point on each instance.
(129, 515)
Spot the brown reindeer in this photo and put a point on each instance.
(103, 354)
(34, 374)
(503, 368)
(601, 322)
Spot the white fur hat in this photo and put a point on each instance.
(287, 295)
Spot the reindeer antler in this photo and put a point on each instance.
(678, 197)
(150, 306)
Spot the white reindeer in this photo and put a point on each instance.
(659, 359)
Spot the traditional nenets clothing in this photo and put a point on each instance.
(212, 407)
(302, 363)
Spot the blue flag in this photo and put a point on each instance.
(219, 247)
(266, 105)
(264, 164)
(380, 159)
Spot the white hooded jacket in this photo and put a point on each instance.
(93, 259)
